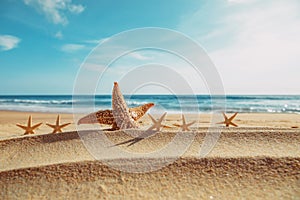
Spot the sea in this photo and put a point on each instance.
(169, 103)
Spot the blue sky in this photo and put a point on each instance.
(254, 44)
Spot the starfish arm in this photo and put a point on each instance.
(29, 121)
(221, 122)
(57, 120)
(183, 120)
(191, 123)
(37, 125)
(52, 126)
(233, 124)
(225, 117)
(137, 112)
(21, 126)
(185, 128)
(165, 126)
(151, 127)
(59, 130)
(153, 120)
(64, 125)
(162, 117)
(233, 116)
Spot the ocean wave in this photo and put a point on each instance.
(169, 103)
(30, 101)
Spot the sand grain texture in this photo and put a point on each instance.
(246, 163)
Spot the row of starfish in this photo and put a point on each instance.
(157, 124)
(29, 129)
(121, 117)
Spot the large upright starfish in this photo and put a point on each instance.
(57, 128)
(228, 121)
(120, 110)
(185, 126)
(29, 129)
(107, 116)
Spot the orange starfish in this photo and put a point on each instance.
(57, 128)
(228, 121)
(29, 129)
(185, 126)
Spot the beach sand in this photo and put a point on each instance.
(259, 159)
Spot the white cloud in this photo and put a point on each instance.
(76, 8)
(240, 1)
(8, 42)
(58, 35)
(85, 44)
(264, 56)
(96, 41)
(138, 56)
(70, 48)
(258, 47)
(55, 9)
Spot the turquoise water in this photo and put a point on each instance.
(169, 103)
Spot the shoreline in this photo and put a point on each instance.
(9, 119)
(170, 112)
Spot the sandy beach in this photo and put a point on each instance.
(9, 119)
(260, 159)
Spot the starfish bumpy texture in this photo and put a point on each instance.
(29, 129)
(118, 117)
(228, 121)
(185, 126)
(120, 110)
(106, 116)
(57, 128)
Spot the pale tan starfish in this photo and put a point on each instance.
(157, 124)
(107, 116)
(185, 126)
(57, 128)
(29, 129)
(120, 110)
(228, 121)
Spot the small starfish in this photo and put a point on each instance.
(228, 121)
(150, 131)
(157, 124)
(57, 128)
(185, 126)
(29, 129)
